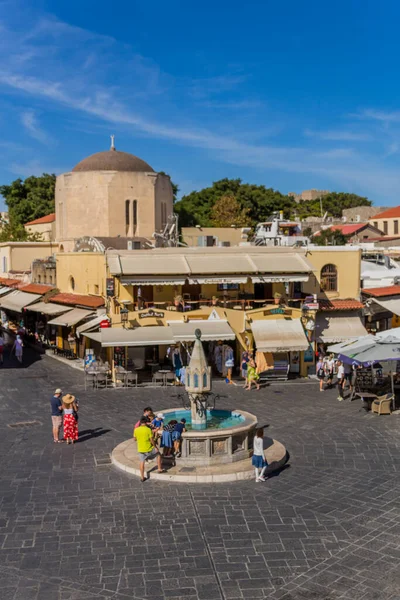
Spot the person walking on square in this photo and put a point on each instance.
(330, 367)
(321, 373)
(146, 447)
(258, 461)
(56, 415)
(18, 348)
(70, 422)
(340, 380)
(252, 375)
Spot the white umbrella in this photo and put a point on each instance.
(367, 352)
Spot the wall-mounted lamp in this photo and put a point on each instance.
(124, 312)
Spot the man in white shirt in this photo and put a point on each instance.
(340, 379)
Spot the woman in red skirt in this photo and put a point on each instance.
(70, 422)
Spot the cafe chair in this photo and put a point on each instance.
(158, 378)
(170, 378)
(131, 380)
(101, 380)
(90, 378)
(382, 405)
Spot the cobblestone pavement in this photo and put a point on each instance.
(74, 528)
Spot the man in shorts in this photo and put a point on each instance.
(56, 408)
(146, 446)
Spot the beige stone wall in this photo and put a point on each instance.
(20, 255)
(348, 264)
(46, 230)
(86, 269)
(390, 229)
(191, 235)
(363, 213)
(5, 260)
(94, 203)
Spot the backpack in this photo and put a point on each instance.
(321, 372)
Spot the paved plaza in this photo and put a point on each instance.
(72, 527)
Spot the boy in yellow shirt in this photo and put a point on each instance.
(146, 446)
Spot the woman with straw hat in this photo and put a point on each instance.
(70, 409)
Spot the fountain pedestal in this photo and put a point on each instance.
(198, 409)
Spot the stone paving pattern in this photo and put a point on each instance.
(72, 527)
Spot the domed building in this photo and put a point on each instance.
(111, 194)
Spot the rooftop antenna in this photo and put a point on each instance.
(112, 142)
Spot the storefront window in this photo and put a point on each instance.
(329, 278)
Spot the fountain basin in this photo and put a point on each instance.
(229, 440)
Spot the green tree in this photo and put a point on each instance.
(28, 200)
(329, 237)
(259, 202)
(333, 203)
(8, 233)
(227, 211)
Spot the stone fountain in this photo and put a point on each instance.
(217, 445)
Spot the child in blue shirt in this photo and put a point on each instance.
(177, 436)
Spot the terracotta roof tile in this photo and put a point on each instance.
(9, 282)
(47, 219)
(36, 288)
(388, 214)
(348, 229)
(390, 290)
(349, 304)
(78, 300)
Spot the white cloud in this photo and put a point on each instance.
(144, 99)
(30, 122)
(339, 135)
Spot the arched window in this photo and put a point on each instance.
(205, 380)
(329, 278)
(127, 216)
(134, 216)
(195, 380)
(39, 278)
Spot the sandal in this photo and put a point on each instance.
(162, 471)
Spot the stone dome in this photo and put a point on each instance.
(113, 160)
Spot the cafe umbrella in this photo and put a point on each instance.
(377, 349)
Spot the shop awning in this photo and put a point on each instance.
(17, 300)
(279, 278)
(279, 335)
(162, 280)
(141, 336)
(392, 305)
(331, 328)
(72, 317)
(221, 279)
(92, 324)
(5, 290)
(210, 330)
(49, 308)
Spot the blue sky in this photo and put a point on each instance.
(290, 94)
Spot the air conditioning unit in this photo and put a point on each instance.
(130, 245)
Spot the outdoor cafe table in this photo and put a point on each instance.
(367, 398)
(164, 374)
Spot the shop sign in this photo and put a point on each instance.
(110, 286)
(277, 311)
(311, 306)
(157, 314)
(104, 324)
